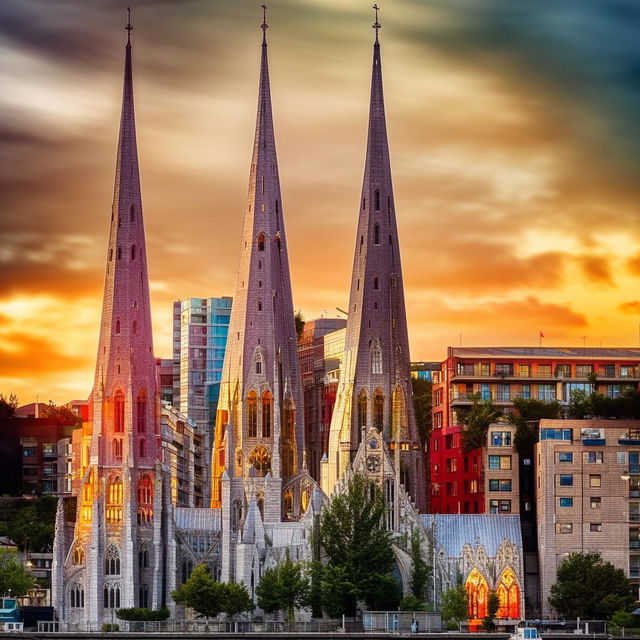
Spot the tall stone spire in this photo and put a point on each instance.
(118, 513)
(375, 385)
(260, 407)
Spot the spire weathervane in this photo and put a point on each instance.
(376, 25)
(129, 27)
(264, 26)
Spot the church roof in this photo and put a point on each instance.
(197, 519)
(453, 531)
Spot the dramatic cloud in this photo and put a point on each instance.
(515, 152)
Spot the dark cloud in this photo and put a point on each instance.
(597, 269)
(632, 307)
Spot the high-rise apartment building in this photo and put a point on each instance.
(588, 495)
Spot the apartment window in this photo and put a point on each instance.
(485, 392)
(564, 527)
(594, 457)
(451, 488)
(465, 464)
(563, 371)
(544, 370)
(607, 370)
(451, 465)
(566, 502)
(546, 392)
(437, 420)
(500, 438)
(504, 369)
(499, 506)
(613, 390)
(595, 480)
(499, 462)
(503, 393)
(524, 370)
(29, 452)
(473, 486)
(556, 434)
(583, 370)
(450, 441)
(565, 456)
(596, 502)
(566, 480)
(595, 526)
(484, 369)
(525, 391)
(499, 485)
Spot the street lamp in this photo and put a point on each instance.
(625, 475)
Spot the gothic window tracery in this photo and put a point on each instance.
(76, 596)
(266, 414)
(116, 448)
(260, 459)
(118, 412)
(362, 409)
(477, 593)
(143, 596)
(78, 556)
(288, 503)
(252, 413)
(399, 430)
(141, 411)
(145, 490)
(376, 359)
(111, 596)
(261, 239)
(112, 561)
(378, 409)
(143, 557)
(508, 595)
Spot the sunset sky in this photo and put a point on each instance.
(515, 144)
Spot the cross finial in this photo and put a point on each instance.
(376, 25)
(264, 26)
(128, 27)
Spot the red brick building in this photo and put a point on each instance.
(460, 482)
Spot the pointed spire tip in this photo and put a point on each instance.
(376, 25)
(129, 27)
(264, 26)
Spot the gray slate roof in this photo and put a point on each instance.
(453, 531)
(197, 519)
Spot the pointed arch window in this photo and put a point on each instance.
(143, 557)
(145, 490)
(142, 448)
(376, 283)
(114, 501)
(288, 460)
(508, 595)
(78, 556)
(288, 504)
(111, 596)
(118, 412)
(252, 413)
(112, 561)
(76, 596)
(362, 409)
(376, 359)
(133, 251)
(141, 411)
(261, 240)
(378, 409)
(376, 234)
(288, 420)
(399, 429)
(267, 413)
(377, 200)
(117, 326)
(116, 448)
(477, 594)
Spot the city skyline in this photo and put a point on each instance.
(512, 138)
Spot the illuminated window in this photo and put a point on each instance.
(477, 594)
(118, 412)
(362, 409)
(252, 413)
(145, 490)
(261, 239)
(376, 359)
(266, 414)
(260, 459)
(399, 429)
(508, 595)
(288, 504)
(78, 556)
(378, 409)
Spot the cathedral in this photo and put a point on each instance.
(127, 541)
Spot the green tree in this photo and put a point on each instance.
(14, 577)
(300, 322)
(622, 619)
(589, 587)
(284, 588)
(236, 599)
(33, 524)
(142, 614)
(316, 574)
(526, 418)
(420, 570)
(353, 537)
(8, 405)
(422, 402)
(454, 606)
(493, 604)
(381, 592)
(201, 592)
(338, 592)
(476, 420)
(411, 603)
(579, 405)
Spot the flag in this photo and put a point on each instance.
(541, 334)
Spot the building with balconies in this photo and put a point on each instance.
(501, 374)
(588, 495)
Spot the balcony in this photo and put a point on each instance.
(632, 438)
(594, 442)
(634, 517)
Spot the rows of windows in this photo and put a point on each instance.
(561, 370)
(567, 527)
(595, 502)
(566, 480)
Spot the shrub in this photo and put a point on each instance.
(142, 614)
